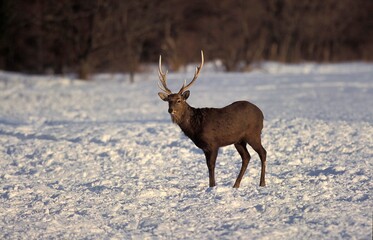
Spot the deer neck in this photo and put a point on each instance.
(190, 123)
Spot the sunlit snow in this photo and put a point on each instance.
(102, 160)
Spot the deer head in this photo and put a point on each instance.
(176, 101)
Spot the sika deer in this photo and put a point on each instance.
(239, 123)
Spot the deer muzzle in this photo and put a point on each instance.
(171, 111)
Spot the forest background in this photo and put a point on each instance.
(85, 37)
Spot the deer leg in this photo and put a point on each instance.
(263, 159)
(242, 150)
(257, 146)
(211, 160)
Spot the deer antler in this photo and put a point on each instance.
(198, 70)
(162, 78)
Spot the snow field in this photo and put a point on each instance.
(102, 160)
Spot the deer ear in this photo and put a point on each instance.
(163, 96)
(186, 94)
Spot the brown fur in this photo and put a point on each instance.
(239, 123)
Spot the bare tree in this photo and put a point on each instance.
(110, 35)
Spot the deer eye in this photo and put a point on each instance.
(178, 101)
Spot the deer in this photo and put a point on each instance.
(239, 123)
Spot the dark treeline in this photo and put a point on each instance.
(113, 35)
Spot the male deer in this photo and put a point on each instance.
(239, 123)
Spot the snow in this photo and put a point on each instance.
(102, 160)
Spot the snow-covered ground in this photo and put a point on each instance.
(102, 160)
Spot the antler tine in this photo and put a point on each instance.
(198, 70)
(162, 78)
